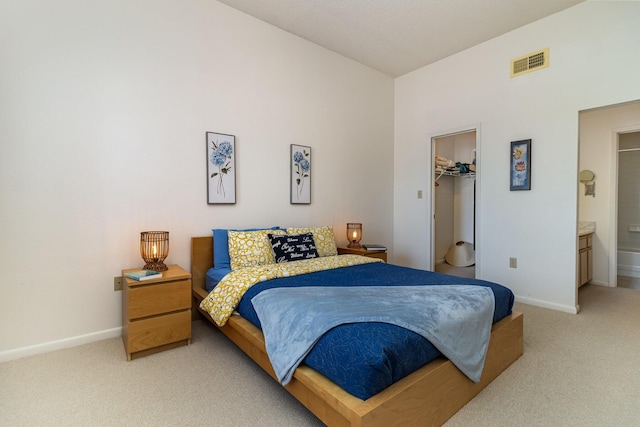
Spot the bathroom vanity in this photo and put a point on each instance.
(585, 257)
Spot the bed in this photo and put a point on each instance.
(428, 396)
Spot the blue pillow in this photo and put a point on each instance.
(221, 258)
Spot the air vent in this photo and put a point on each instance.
(532, 62)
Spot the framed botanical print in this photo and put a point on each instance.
(300, 174)
(520, 172)
(221, 168)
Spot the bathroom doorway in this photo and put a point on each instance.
(454, 203)
(628, 216)
(601, 130)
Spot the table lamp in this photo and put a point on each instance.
(154, 248)
(354, 234)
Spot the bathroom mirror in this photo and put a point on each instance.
(586, 176)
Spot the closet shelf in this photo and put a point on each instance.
(454, 173)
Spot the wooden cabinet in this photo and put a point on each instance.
(156, 314)
(585, 259)
(382, 254)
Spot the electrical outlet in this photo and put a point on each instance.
(513, 262)
(117, 283)
(419, 194)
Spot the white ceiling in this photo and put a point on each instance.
(399, 36)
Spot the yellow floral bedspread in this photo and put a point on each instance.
(223, 300)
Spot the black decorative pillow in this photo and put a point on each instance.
(293, 247)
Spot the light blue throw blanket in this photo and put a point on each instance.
(456, 319)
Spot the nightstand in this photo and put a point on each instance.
(382, 254)
(156, 313)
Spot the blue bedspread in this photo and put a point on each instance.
(365, 358)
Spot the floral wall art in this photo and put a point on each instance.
(300, 174)
(221, 175)
(520, 175)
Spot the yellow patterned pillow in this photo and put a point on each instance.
(250, 248)
(322, 236)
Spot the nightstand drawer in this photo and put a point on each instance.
(381, 255)
(373, 253)
(159, 298)
(157, 331)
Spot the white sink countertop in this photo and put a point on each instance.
(586, 227)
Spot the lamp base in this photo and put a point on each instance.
(155, 266)
(354, 245)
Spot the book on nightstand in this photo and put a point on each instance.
(374, 247)
(143, 275)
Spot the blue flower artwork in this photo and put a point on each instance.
(300, 174)
(221, 182)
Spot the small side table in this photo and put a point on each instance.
(382, 254)
(156, 313)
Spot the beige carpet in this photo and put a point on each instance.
(577, 370)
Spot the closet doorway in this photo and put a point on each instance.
(454, 203)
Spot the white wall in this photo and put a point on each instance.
(103, 112)
(598, 140)
(464, 198)
(593, 62)
(444, 224)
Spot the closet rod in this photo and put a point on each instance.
(624, 150)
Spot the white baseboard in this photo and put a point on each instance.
(546, 304)
(32, 350)
(600, 283)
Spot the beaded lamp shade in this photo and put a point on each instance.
(354, 234)
(154, 248)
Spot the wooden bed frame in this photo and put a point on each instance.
(429, 396)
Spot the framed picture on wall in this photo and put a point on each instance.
(221, 168)
(300, 174)
(520, 173)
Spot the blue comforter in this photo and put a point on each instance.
(365, 358)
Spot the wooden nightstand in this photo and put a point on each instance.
(156, 314)
(382, 254)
